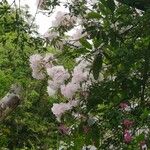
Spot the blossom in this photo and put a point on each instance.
(50, 91)
(36, 63)
(61, 108)
(127, 123)
(50, 35)
(127, 136)
(81, 72)
(48, 58)
(125, 107)
(75, 34)
(79, 75)
(58, 74)
(70, 89)
(63, 19)
(53, 84)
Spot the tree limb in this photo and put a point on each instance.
(10, 101)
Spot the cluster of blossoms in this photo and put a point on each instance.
(59, 109)
(38, 63)
(70, 23)
(63, 19)
(58, 76)
(60, 19)
(128, 124)
(59, 79)
(68, 84)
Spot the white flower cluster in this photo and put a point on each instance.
(50, 35)
(61, 108)
(72, 23)
(59, 77)
(63, 19)
(38, 64)
(75, 34)
(79, 75)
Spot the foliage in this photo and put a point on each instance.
(113, 46)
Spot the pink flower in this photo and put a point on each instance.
(36, 63)
(59, 109)
(127, 136)
(127, 123)
(58, 74)
(70, 89)
(124, 107)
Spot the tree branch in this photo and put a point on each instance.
(10, 101)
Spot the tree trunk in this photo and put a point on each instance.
(10, 101)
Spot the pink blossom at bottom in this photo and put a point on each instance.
(127, 136)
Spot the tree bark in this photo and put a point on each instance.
(10, 101)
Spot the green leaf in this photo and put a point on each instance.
(93, 15)
(111, 5)
(97, 65)
(140, 138)
(85, 43)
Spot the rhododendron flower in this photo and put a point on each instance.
(79, 75)
(48, 60)
(50, 35)
(73, 103)
(36, 63)
(63, 19)
(50, 91)
(127, 123)
(59, 109)
(127, 136)
(80, 72)
(53, 84)
(58, 74)
(125, 107)
(75, 35)
(70, 89)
